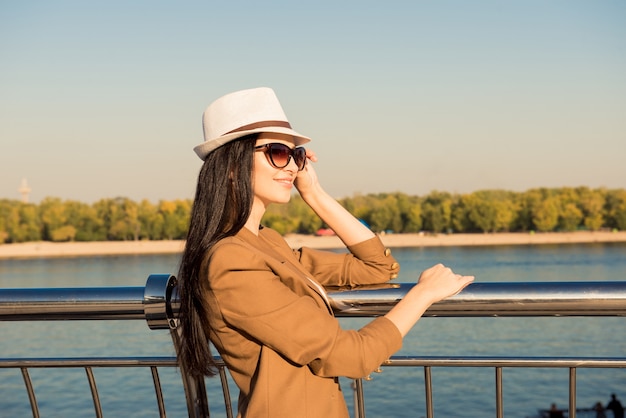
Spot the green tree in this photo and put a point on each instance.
(53, 216)
(183, 215)
(64, 233)
(167, 209)
(306, 220)
(506, 214)
(546, 214)
(294, 216)
(491, 210)
(413, 218)
(507, 209)
(176, 216)
(482, 212)
(23, 223)
(459, 218)
(409, 218)
(150, 221)
(124, 222)
(84, 219)
(571, 217)
(106, 211)
(437, 211)
(6, 207)
(279, 223)
(592, 205)
(526, 203)
(385, 214)
(616, 209)
(131, 216)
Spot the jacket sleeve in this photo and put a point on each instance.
(253, 300)
(368, 262)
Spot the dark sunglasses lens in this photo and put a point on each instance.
(299, 155)
(279, 154)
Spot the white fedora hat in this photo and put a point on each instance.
(242, 113)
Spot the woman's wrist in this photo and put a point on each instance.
(315, 196)
(349, 229)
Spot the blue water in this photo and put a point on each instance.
(396, 392)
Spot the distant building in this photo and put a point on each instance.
(24, 190)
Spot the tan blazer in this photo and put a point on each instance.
(274, 328)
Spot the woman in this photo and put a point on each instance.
(259, 302)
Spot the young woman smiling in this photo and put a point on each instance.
(261, 303)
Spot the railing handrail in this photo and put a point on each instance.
(495, 299)
(158, 302)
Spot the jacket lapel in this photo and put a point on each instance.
(280, 252)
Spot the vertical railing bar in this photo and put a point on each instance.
(31, 392)
(428, 388)
(355, 401)
(572, 392)
(94, 392)
(184, 377)
(226, 391)
(499, 403)
(195, 389)
(195, 393)
(359, 411)
(189, 394)
(158, 391)
(202, 401)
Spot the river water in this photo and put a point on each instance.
(396, 392)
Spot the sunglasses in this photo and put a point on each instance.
(279, 154)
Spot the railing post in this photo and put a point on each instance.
(359, 400)
(31, 392)
(428, 390)
(572, 392)
(499, 402)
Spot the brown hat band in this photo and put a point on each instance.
(263, 124)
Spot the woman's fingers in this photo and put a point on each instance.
(442, 282)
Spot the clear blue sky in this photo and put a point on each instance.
(104, 99)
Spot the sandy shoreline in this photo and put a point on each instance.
(80, 249)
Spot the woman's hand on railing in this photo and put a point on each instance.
(434, 284)
(440, 282)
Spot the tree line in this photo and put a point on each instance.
(120, 219)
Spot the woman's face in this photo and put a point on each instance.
(271, 184)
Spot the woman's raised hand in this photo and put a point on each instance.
(306, 180)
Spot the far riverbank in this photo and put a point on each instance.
(83, 249)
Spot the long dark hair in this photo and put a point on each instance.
(221, 207)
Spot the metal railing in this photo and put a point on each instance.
(157, 303)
